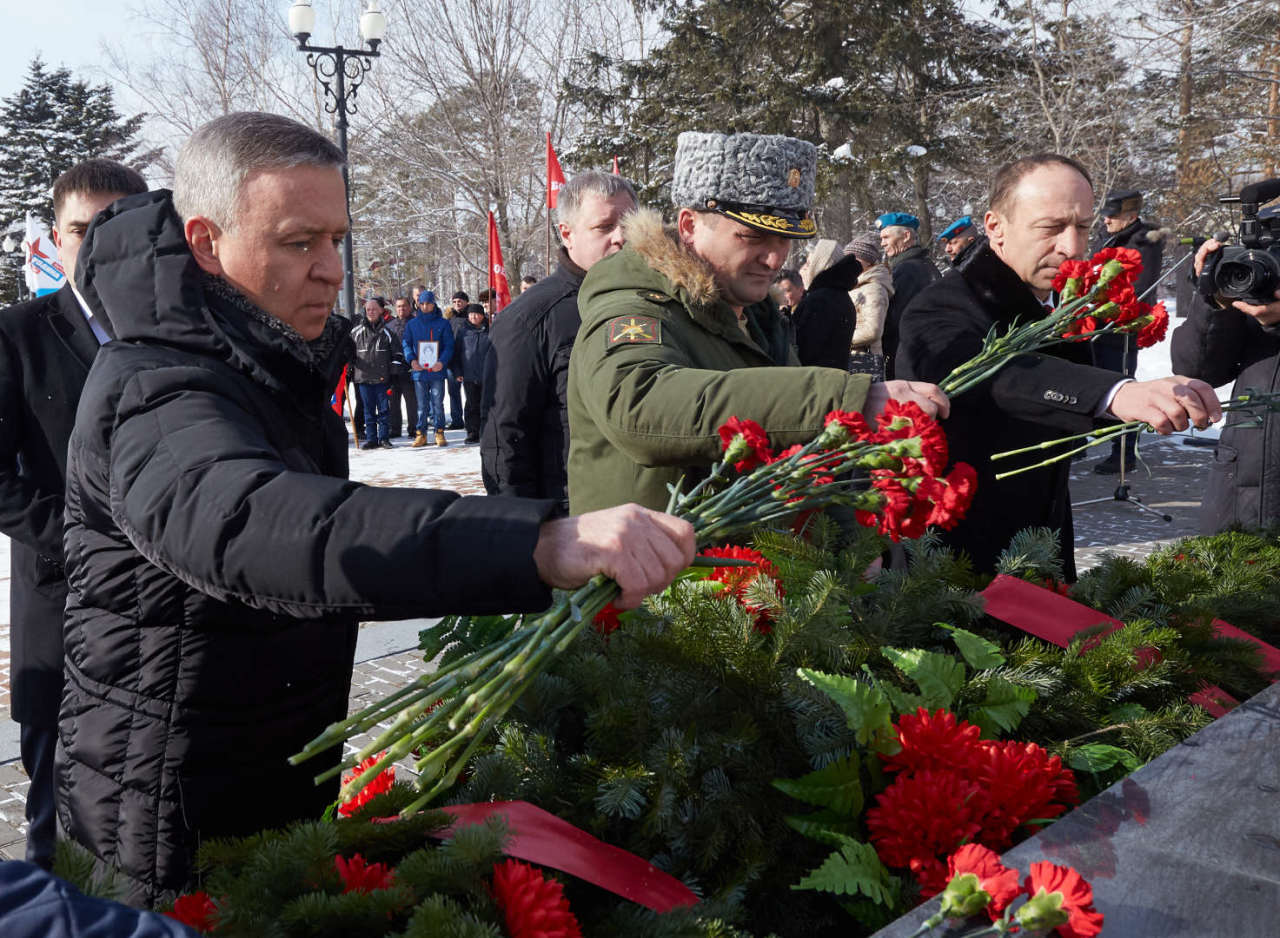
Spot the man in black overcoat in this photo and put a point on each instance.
(1039, 216)
(46, 348)
(913, 270)
(1126, 230)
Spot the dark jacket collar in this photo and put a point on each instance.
(911, 253)
(1000, 292)
(137, 273)
(68, 322)
(569, 270)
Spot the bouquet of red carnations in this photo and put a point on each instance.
(1095, 297)
(893, 476)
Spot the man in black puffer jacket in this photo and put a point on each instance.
(524, 447)
(218, 559)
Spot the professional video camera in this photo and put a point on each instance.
(1250, 271)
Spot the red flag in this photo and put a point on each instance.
(555, 176)
(615, 166)
(499, 289)
(339, 393)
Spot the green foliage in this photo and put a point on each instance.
(837, 786)
(853, 869)
(81, 869)
(866, 709)
(441, 917)
(977, 652)
(938, 675)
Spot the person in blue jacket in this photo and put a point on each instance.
(429, 327)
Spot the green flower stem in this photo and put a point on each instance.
(1098, 440)
(1048, 444)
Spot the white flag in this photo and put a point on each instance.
(43, 270)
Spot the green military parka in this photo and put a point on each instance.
(660, 363)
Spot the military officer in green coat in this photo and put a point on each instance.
(679, 333)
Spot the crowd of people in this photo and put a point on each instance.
(190, 560)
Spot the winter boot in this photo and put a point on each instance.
(440, 440)
(420, 439)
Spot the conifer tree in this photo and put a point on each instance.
(51, 123)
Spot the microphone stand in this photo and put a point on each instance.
(1121, 493)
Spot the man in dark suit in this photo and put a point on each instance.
(913, 270)
(1114, 352)
(1039, 216)
(46, 348)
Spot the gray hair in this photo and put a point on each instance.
(914, 239)
(604, 185)
(213, 165)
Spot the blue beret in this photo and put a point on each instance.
(426, 296)
(900, 219)
(957, 226)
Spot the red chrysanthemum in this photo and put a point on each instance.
(195, 910)
(737, 579)
(359, 876)
(755, 443)
(1020, 783)
(922, 818)
(994, 878)
(1077, 897)
(381, 783)
(607, 620)
(532, 906)
(933, 741)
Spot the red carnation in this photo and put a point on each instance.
(359, 876)
(933, 741)
(1128, 258)
(852, 421)
(532, 906)
(195, 910)
(956, 497)
(1078, 271)
(921, 818)
(381, 783)
(607, 620)
(1153, 332)
(994, 878)
(1048, 880)
(746, 443)
(737, 579)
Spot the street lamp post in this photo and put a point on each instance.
(340, 72)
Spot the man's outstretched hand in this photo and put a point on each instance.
(1168, 404)
(642, 550)
(929, 396)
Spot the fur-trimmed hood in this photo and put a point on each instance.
(660, 248)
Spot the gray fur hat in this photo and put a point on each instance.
(764, 181)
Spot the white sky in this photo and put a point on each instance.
(64, 32)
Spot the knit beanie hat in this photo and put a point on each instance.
(865, 247)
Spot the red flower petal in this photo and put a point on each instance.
(381, 783)
(737, 579)
(933, 741)
(359, 876)
(1077, 897)
(921, 818)
(754, 436)
(997, 880)
(532, 906)
(195, 910)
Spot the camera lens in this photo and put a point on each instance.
(1236, 277)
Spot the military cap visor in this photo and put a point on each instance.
(1121, 201)
(767, 219)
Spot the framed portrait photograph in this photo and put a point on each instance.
(428, 353)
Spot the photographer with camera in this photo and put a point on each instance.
(1233, 333)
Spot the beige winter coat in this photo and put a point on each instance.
(871, 301)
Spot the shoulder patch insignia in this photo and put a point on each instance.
(653, 296)
(628, 330)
